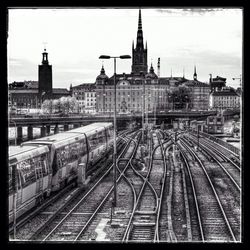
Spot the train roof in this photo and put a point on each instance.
(69, 136)
(18, 153)
(91, 127)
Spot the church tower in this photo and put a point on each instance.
(45, 77)
(139, 54)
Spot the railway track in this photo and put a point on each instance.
(215, 224)
(30, 222)
(144, 222)
(232, 170)
(81, 214)
(219, 149)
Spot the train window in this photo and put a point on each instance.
(101, 137)
(93, 141)
(27, 172)
(10, 180)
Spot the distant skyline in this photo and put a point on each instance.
(209, 38)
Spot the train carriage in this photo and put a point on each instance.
(70, 148)
(65, 149)
(61, 153)
(99, 140)
(30, 175)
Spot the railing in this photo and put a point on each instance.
(222, 143)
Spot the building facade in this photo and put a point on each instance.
(145, 91)
(226, 98)
(30, 94)
(85, 95)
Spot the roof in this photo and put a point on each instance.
(60, 91)
(85, 86)
(218, 81)
(219, 78)
(196, 83)
(18, 153)
(23, 91)
(224, 93)
(68, 136)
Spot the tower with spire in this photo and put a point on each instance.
(45, 77)
(139, 54)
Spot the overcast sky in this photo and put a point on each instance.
(211, 39)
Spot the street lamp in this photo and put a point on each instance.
(108, 57)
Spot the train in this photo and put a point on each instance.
(39, 167)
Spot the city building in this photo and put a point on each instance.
(216, 84)
(142, 90)
(85, 94)
(226, 98)
(199, 93)
(30, 94)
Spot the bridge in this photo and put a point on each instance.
(123, 120)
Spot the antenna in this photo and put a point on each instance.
(158, 66)
(44, 44)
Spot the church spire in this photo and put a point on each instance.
(195, 75)
(139, 21)
(139, 44)
(139, 53)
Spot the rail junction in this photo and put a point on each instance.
(172, 186)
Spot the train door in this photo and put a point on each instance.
(15, 195)
(18, 190)
(39, 178)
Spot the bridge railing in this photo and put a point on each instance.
(222, 143)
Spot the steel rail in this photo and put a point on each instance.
(105, 198)
(214, 191)
(157, 238)
(184, 157)
(83, 198)
(211, 154)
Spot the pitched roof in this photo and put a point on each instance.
(224, 93)
(60, 91)
(196, 83)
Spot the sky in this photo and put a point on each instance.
(209, 38)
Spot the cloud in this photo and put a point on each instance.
(192, 11)
(21, 69)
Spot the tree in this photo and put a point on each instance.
(56, 105)
(64, 104)
(180, 97)
(72, 104)
(47, 106)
